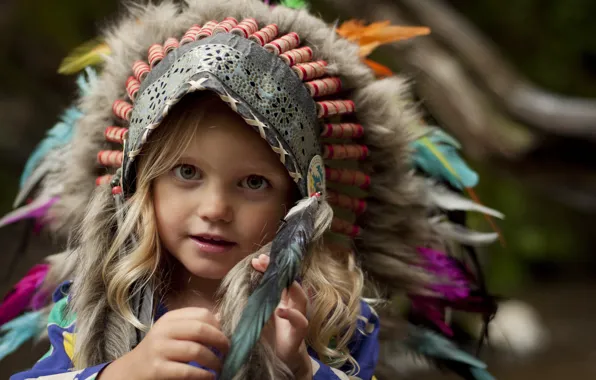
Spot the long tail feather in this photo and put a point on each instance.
(87, 54)
(287, 252)
(436, 347)
(34, 210)
(449, 200)
(462, 234)
(20, 330)
(22, 293)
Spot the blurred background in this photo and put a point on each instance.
(513, 80)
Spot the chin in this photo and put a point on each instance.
(207, 269)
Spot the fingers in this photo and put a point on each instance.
(180, 371)
(297, 320)
(296, 298)
(196, 331)
(185, 351)
(260, 263)
(192, 313)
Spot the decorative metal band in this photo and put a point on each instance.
(347, 202)
(115, 134)
(226, 25)
(296, 56)
(140, 70)
(132, 87)
(343, 227)
(347, 177)
(246, 27)
(324, 87)
(310, 70)
(155, 54)
(342, 152)
(265, 35)
(190, 35)
(283, 44)
(170, 44)
(207, 29)
(335, 107)
(110, 158)
(342, 130)
(122, 109)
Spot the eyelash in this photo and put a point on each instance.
(180, 166)
(176, 169)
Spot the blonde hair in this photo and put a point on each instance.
(135, 258)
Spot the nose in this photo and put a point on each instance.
(216, 205)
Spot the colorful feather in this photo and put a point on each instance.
(22, 294)
(90, 53)
(456, 287)
(287, 252)
(294, 4)
(445, 353)
(37, 209)
(20, 330)
(57, 136)
(462, 234)
(371, 36)
(63, 131)
(381, 71)
(436, 155)
(448, 200)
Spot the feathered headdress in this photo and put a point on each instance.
(348, 139)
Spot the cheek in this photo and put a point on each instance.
(169, 209)
(261, 223)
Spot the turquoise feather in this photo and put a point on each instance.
(481, 374)
(427, 161)
(62, 132)
(18, 331)
(442, 350)
(287, 252)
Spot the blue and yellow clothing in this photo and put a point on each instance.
(57, 363)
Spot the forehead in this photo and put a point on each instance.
(221, 133)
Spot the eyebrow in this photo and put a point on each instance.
(260, 166)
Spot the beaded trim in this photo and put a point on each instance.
(316, 80)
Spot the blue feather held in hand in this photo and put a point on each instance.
(288, 250)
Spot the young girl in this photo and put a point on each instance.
(211, 248)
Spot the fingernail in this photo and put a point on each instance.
(282, 312)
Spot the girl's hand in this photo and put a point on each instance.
(177, 338)
(291, 326)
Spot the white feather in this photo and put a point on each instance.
(462, 234)
(446, 199)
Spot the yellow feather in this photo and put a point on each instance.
(88, 54)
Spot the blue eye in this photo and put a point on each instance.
(187, 172)
(255, 182)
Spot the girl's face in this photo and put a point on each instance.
(224, 198)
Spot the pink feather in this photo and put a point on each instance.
(23, 293)
(36, 209)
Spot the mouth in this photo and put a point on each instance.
(212, 243)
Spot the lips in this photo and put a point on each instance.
(212, 243)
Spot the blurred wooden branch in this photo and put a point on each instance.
(468, 87)
(542, 109)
